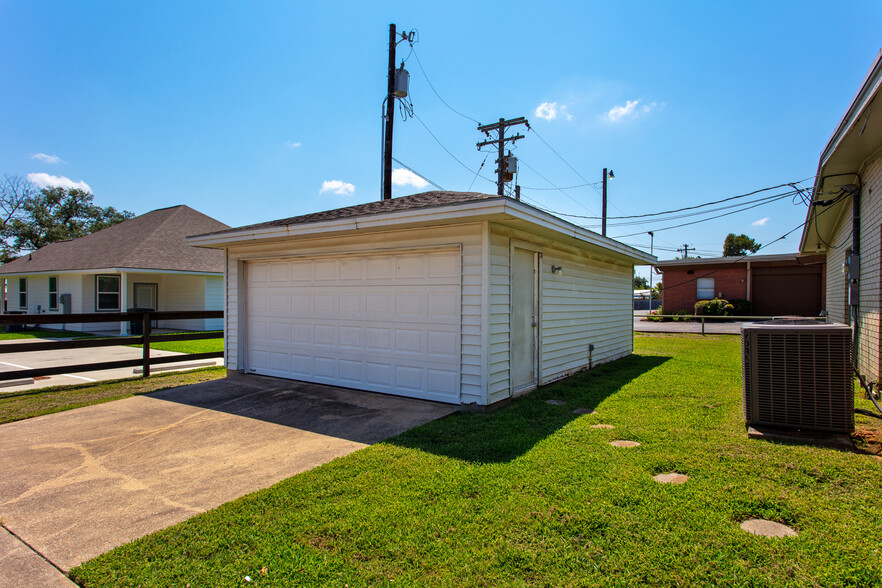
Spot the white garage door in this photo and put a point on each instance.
(381, 322)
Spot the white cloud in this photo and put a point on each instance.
(551, 110)
(43, 180)
(760, 223)
(631, 109)
(404, 177)
(47, 158)
(337, 187)
(292, 144)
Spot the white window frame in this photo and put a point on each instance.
(703, 291)
(99, 292)
(53, 294)
(23, 293)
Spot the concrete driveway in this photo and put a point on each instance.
(78, 483)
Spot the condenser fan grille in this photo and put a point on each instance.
(798, 378)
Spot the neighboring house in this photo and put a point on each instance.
(456, 297)
(142, 262)
(845, 220)
(788, 284)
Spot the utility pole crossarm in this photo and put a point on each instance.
(500, 142)
(494, 141)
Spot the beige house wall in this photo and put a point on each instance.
(868, 323)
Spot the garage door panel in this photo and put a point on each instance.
(386, 323)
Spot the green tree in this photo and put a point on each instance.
(738, 245)
(640, 283)
(55, 214)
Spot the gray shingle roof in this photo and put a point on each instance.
(155, 240)
(414, 201)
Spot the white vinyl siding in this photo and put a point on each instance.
(214, 300)
(589, 303)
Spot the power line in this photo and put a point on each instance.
(437, 140)
(559, 155)
(795, 191)
(710, 273)
(410, 169)
(552, 183)
(698, 221)
(420, 63)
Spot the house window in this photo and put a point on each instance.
(53, 293)
(23, 293)
(107, 293)
(705, 288)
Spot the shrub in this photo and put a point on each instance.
(715, 307)
(741, 307)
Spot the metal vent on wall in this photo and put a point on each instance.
(797, 374)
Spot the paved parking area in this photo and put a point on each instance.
(78, 483)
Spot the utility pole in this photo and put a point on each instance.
(651, 268)
(685, 251)
(390, 116)
(606, 174)
(501, 141)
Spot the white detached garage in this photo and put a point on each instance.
(456, 297)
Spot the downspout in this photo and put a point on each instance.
(749, 297)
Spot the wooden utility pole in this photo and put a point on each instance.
(685, 251)
(390, 116)
(603, 212)
(500, 140)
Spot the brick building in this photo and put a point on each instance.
(791, 284)
(846, 218)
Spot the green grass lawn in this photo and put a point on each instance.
(532, 495)
(33, 334)
(15, 406)
(197, 346)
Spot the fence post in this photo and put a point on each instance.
(145, 330)
(702, 325)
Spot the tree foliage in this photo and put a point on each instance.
(739, 245)
(34, 218)
(640, 283)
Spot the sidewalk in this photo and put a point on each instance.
(42, 359)
(711, 327)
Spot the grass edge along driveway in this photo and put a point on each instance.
(533, 495)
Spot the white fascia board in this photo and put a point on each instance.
(109, 270)
(500, 208)
(862, 99)
(559, 225)
(864, 96)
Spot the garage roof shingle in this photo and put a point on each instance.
(412, 202)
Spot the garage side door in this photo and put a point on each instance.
(386, 323)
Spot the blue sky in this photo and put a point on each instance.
(262, 110)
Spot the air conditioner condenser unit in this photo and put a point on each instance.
(796, 373)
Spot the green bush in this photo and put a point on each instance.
(741, 307)
(715, 307)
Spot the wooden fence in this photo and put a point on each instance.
(145, 318)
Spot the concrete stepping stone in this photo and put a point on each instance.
(671, 478)
(584, 411)
(767, 528)
(603, 426)
(622, 443)
(554, 402)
